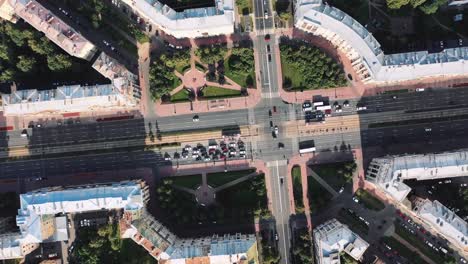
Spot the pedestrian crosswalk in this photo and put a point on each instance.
(270, 95)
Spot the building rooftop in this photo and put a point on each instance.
(123, 91)
(10, 246)
(359, 44)
(190, 22)
(389, 172)
(445, 221)
(332, 238)
(55, 29)
(125, 195)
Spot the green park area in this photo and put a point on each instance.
(236, 204)
(306, 67)
(368, 200)
(103, 244)
(216, 179)
(240, 67)
(236, 64)
(244, 6)
(211, 54)
(162, 77)
(218, 92)
(297, 189)
(187, 181)
(303, 251)
(181, 96)
(416, 242)
(336, 174)
(352, 220)
(29, 58)
(403, 250)
(318, 195)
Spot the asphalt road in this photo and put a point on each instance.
(281, 208)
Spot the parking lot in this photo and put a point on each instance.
(211, 151)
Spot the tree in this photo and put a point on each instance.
(7, 75)
(5, 52)
(43, 46)
(426, 6)
(17, 35)
(58, 62)
(25, 64)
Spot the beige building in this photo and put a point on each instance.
(45, 21)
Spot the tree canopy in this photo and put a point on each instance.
(211, 54)
(104, 245)
(23, 49)
(313, 67)
(426, 6)
(162, 77)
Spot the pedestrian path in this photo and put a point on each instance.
(323, 183)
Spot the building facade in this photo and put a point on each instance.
(363, 50)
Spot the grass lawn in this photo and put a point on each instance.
(369, 201)
(419, 244)
(403, 250)
(217, 179)
(335, 174)
(188, 181)
(240, 79)
(353, 221)
(292, 73)
(181, 67)
(318, 196)
(297, 189)
(217, 92)
(180, 96)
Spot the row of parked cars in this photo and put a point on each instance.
(214, 151)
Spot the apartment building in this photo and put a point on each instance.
(190, 23)
(45, 21)
(364, 52)
(42, 218)
(332, 238)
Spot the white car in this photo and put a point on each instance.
(355, 199)
(196, 118)
(341, 190)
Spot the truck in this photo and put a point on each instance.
(306, 146)
(323, 107)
